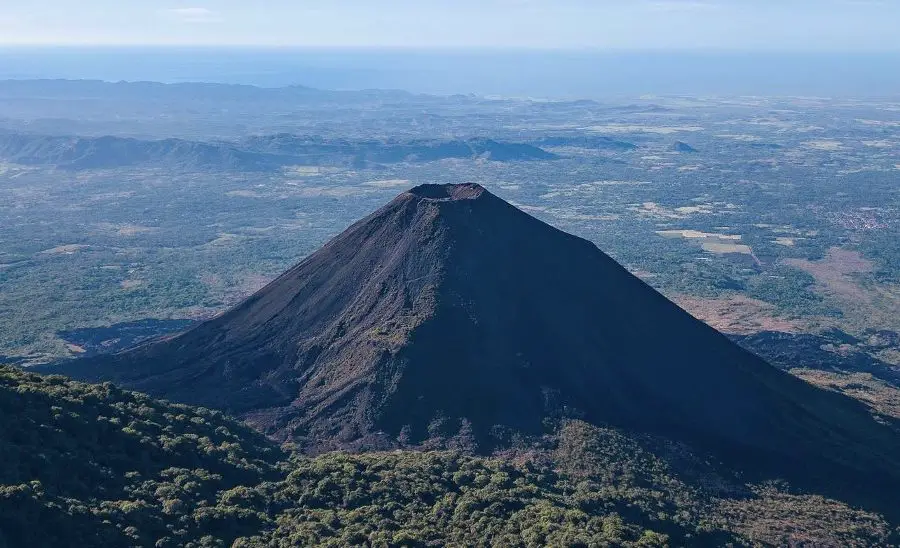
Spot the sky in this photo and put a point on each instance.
(747, 25)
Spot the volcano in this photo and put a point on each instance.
(451, 313)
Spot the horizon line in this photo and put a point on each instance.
(433, 48)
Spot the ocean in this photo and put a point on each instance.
(534, 73)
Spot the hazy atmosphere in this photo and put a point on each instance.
(513, 273)
(539, 48)
(803, 25)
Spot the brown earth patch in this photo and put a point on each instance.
(134, 230)
(131, 284)
(252, 283)
(232, 292)
(776, 518)
(889, 355)
(877, 394)
(75, 349)
(67, 249)
(738, 314)
(196, 313)
(835, 273)
(839, 276)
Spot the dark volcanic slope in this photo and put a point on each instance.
(450, 303)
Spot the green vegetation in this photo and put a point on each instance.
(91, 465)
(88, 465)
(436, 499)
(95, 465)
(97, 247)
(792, 290)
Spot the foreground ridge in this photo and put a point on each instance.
(93, 465)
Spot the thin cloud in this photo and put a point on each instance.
(193, 15)
(682, 5)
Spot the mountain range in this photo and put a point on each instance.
(260, 153)
(313, 150)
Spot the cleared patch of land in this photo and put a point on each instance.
(879, 395)
(879, 123)
(835, 273)
(711, 242)
(762, 519)
(67, 249)
(243, 194)
(653, 209)
(694, 234)
(738, 314)
(635, 128)
(880, 143)
(224, 239)
(824, 144)
(339, 191)
(843, 277)
(309, 171)
(389, 183)
(75, 349)
(126, 229)
(740, 137)
(722, 248)
(131, 284)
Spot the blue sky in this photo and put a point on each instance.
(795, 25)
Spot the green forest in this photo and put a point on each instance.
(93, 465)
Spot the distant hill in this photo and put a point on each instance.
(766, 146)
(643, 109)
(316, 149)
(263, 153)
(79, 153)
(157, 91)
(681, 146)
(450, 314)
